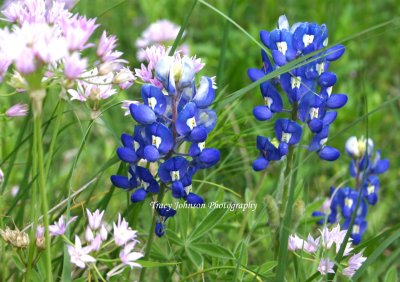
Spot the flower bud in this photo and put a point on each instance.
(123, 76)
(272, 211)
(356, 148)
(103, 233)
(89, 236)
(17, 110)
(298, 211)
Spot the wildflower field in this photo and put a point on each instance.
(197, 140)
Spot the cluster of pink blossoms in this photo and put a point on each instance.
(323, 244)
(147, 74)
(159, 33)
(45, 42)
(96, 235)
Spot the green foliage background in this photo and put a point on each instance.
(219, 244)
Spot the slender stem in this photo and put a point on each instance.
(37, 133)
(287, 206)
(151, 232)
(98, 273)
(57, 125)
(34, 210)
(182, 29)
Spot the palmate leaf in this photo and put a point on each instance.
(207, 224)
(376, 253)
(213, 250)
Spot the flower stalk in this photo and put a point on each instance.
(287, 207)
(151, 232)
(37, 97)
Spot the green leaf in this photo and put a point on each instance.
(183, 218)
(194, 256)
(212, 250)
(149, 264)
(18, 263)
(173, 237)
(212, 219)
(376, 253)
(391, 275)
(267, 267)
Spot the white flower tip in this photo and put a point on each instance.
(283, 23)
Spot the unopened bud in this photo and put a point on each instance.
(105, 68)
(17, 81)
(272, 211)
(15, 237)
(298, 211)
(123, 76)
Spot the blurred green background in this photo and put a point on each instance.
(368, 70)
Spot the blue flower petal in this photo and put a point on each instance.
(260, 164)
(127, 154)
(138, 196)
(151, 153)
(194, 199)
(210, 156)
(205, 94)
(336, 101)
(335, 52)
(329, 153)
(142, 114)
(159, 229)
(121, 182)
(262, 113)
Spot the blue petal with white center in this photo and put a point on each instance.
(154, 98)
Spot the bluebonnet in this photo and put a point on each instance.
(308, 89)
(365, 166)
(164, 212)
(173, 124)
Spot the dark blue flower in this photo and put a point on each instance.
(268, 152)
(309, 37)
(370, 189)
(148, 184)
(359, 227)
(205, 94)
(194, 124)
(154, 98)
(379, 166)
(159, 140)
(288, 133)
(318, 144)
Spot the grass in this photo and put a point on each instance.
(206, 244)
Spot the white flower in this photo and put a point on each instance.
(59, 227)
(122, 232)
(326, 266)
(311, 245)
(79, 256)
(128, 257)
(95, 219)
(295, 243)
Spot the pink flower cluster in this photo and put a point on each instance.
(95, 235)
(48, 40)
(324, 243)
(152, 56)
(159, 33)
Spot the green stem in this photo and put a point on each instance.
(287, 206)
(182, 30)
(34, 209)
(151, 233)
(37, 133)
(57, 125)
